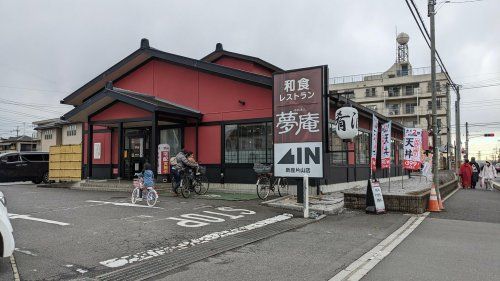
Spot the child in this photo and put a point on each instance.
(148, 178)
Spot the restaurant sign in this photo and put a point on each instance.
(412, 149)
(298, 122)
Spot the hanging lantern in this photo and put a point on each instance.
(346, 121)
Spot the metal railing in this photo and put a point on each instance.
(381, 75)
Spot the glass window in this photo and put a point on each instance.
(248, 143)
(33, 157)
(362, 147)
(338, 148)
(48, 134)
(172, 137)
(71, 130)
(11, 158)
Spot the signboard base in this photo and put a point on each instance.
(374, 199)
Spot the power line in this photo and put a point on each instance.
(427, 39)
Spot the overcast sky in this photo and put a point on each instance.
(50, 48)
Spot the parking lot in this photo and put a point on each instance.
(67, 234)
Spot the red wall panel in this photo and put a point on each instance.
(105, 140)
(190, 139)
(243, 65)
(141, 80)
(121, 110)
(221, 95)
(209, 144)
(176, 84)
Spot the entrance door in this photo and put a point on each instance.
(137, 151)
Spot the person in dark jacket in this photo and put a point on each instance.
(182, 162)
(475, 171)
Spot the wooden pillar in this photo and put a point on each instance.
(120, 150)
(155, 140)
(90, 136)
(196, 146)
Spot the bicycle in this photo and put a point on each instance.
(266, 182)
(195, 181)
(151, 194)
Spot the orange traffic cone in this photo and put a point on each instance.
(433, 201)
(441, 206)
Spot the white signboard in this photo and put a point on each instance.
(298, 159)
(97, 150)
(377, 197)
(412, 149)
(163, 159)
(373, 158)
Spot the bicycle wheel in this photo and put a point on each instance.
(135, 195)
(202, 185)
(151, 198)
(283, 187)
(263, 187)
(184, 188)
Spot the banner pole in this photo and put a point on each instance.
(389, 179)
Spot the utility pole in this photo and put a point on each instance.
(467, 140)
(458, 146)
(448, 127)
(435, 156)
(17, 131)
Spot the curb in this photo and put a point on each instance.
(275, 204)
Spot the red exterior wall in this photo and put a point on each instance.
(114, 147)
(190, 139)
(121, 110)
(244, 65)
(209, 144)
(216, 97)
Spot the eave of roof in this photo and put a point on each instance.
(143, 101)
(220, 52)
(145, 53)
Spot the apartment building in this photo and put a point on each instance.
(402, 93)
(57, 132)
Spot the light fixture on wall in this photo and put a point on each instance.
(242, 102)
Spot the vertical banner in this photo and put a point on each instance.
(298, 97)
(385, 152)
(373, 158)
(412, 149)
(163, 159)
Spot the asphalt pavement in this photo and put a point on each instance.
(62, 234)
(461, 243)
(66, 234)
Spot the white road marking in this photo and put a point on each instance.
(122, 204)
(82, 271)
(25, 252)
(14, 268)
(144, 255)
(359, 268)
(28, 217)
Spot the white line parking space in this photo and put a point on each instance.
(144, 255)
(122, 204)
(28, 217)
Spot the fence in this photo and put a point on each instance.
(65, 162)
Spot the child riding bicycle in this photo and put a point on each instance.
(147, 176)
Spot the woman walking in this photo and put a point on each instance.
(488, 173)
(466, 174)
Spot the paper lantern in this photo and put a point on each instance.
(346, 121)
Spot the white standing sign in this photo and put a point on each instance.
(377, 197)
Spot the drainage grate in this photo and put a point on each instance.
(163, 264)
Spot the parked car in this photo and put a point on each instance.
(24, 166)
(497, 166)
(6, 238)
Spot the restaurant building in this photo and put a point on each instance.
(219, 107)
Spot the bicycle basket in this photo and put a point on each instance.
(262, 168)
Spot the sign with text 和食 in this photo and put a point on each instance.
(298, 120)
